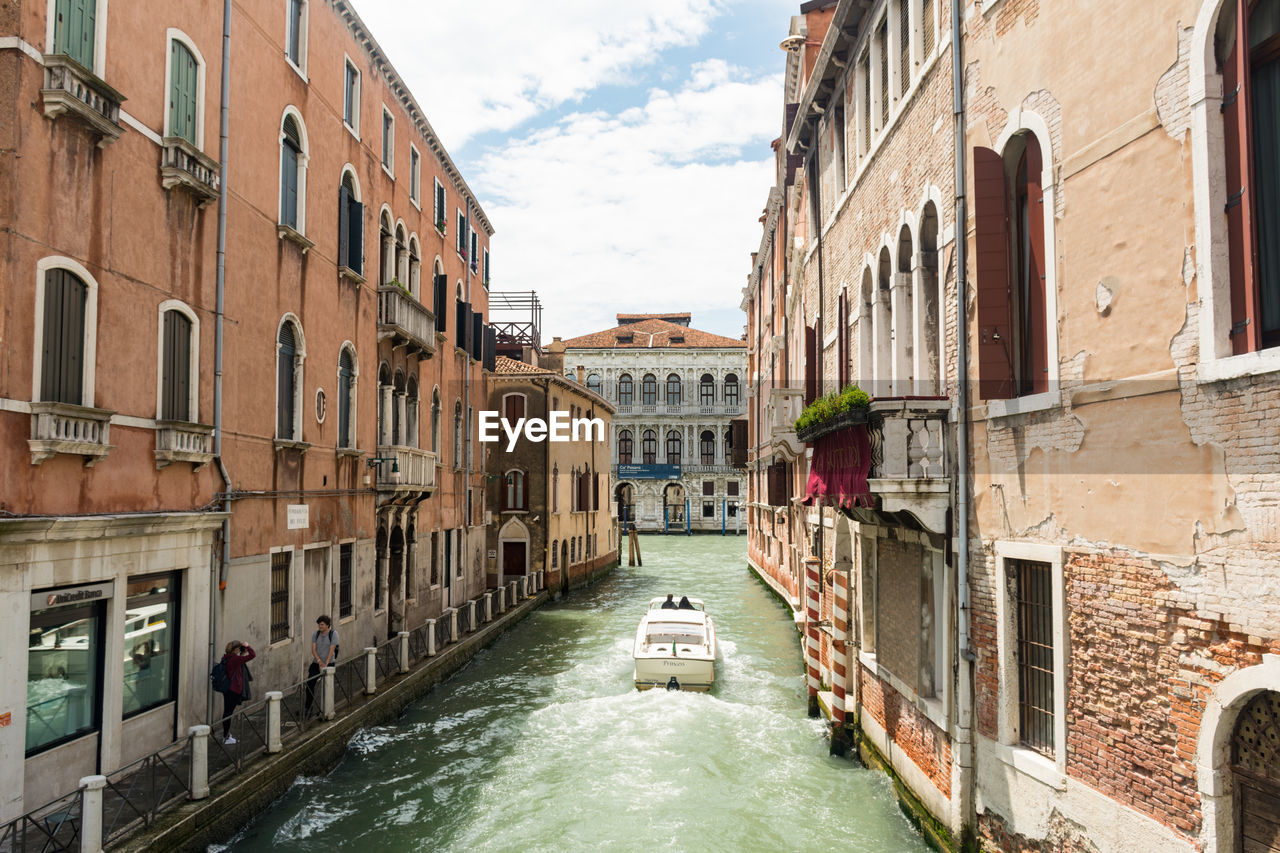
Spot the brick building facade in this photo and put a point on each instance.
(1110, 671)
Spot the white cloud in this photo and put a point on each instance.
(649, 209)
(476, 68)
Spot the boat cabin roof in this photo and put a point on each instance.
(656, 603)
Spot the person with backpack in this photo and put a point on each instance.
(231, 678)
(324, 651)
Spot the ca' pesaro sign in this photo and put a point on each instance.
(839, 469)
(648, 472)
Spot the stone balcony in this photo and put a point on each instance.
(67, 428)
(405, 474)
(73, 90)
(185, 167)
(405, 320)
(909, 457)
(785, 405)
(179, 441)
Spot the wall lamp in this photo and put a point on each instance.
(376, 462)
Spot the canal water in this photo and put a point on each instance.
(542, 742)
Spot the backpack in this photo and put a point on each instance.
(219, 678)
(316, 636)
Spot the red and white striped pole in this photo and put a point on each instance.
(839, 646)
(812, 638)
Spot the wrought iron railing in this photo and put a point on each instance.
(348, 681)
(54, 826)
(136, 793)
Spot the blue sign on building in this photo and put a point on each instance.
(648, 472)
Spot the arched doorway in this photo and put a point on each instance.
(1255, 769)
(395, 576)
(673, 506)
(513, 550)
(625, 495)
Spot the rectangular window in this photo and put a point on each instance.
(415, 185)
(708, 509)
(281, 563)
(175, 383)
(865, 132)
(928, 28)
(837, 133)
(474, 256)
(448, 558)
(458, 562)
(732, 509)
(486, 266)
(295, 40)
(183, 90)
(867, 588)
(882, 42)
(440, 208)
(345, 608)
(388, 141)
(731, 488)
(1033, 591)
(904, 46)
(513, 407)
(64, 671)
(708, 487)
(461, 238)
(151, 642)
(74, 30)
(351, 98)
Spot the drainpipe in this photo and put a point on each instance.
(964, 705)
(815, 185)
(466, 392)
(223, 559)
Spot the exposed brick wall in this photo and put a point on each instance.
(1064, 836)
(925, 744)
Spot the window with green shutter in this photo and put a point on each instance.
(182, 92)
(290, 149)
(74, 29)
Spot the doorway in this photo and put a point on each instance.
(1255, 769)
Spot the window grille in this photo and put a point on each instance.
(882, 40)
(866, 104)
(344, 581)
(927, 28)
(1033, 590)
(280, 564)
(904, 46)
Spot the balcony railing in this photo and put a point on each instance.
(786, 405)
(909, 458)
(405, 319)
(184, 166)
(72, 89)
(721, 470)
(179, 441)
(405, 470)
(66, 428)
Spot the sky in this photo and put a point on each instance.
(620, 149)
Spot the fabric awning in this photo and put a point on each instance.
(839, 469)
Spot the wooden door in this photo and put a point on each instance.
(513, 558)
(1255, 765)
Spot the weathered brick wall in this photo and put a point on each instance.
(898, 608)
(1064, 836)
(982, 626)
(925, 744)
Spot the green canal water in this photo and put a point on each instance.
(542, 742)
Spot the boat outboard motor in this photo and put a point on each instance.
(673, 684)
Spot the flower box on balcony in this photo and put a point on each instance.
(813, 432)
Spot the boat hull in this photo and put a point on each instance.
(690, 673)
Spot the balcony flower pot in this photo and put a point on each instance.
(813, 432)
(835, 411)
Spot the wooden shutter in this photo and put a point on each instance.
(810, 364)
(182, 92)
(842, 338)
(288, 184)
(514, 408)
(738, 441)
(345, 374)
(991, 258)
(1241, 236)
(490, 348)
(74, 29)
(595, 491)
(477, 335)
(442, 302)
(1036, 338)
(355, 240)
(344, 226)
(175, 384)
(62, 370)
(463, 312)
(285, 382)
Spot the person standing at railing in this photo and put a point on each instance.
(324, 651)
(236, 661)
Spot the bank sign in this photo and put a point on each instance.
(648, 472)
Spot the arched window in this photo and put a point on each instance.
(289, 355)
(593, 382)
(350, 225)
(176, 363)
(731, 390)
(386, 250)
(402, 256)
(928, 340)
(397, 409)
(649, 447)
(555, 488)
(707, 447)
(292, 173)
(514, 493)
(673, 390)
(624, 447)
(649, 390)
(564, 553)
(457, 434)
(435, 422)
(184, 93)
(673, 447)
(346, 398)
(68, 321)
(415, 270)
(411, 412)
(707, 390)
(624, 390)
(573, 550)
(386, 402)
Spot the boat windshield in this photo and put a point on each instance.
(676, 632)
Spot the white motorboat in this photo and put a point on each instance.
(675, 646)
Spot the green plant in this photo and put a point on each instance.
(832, 406)
(397, 283)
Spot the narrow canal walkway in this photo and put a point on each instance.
(542, 743)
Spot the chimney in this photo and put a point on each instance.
(553, 356)
(582, 375)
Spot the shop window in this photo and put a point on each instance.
(64, 671)
(151, 643)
